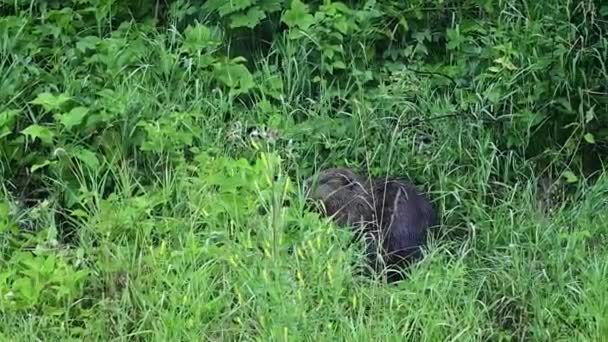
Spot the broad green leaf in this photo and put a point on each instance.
(341, 7)
(213, 5)
(88, 157)
(570, 177)
(235, 76)
(454, 38)
(422, 36)
(339, 65)
(298, 15)
(589, 138)
(74, 117)
(231, 6)
(40, 132)
(272, 86)
(200, 36)
(250, 19)
(7, 122)
(51, 102)
(565, 103)
(341, 25)
(265, 106)
(488, 6)
(7, 118)
(421, 48)
(87, 43)
(493, 94)
(534, 118)
(23, 286)
(270, 6)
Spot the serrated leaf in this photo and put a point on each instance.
(40, 132)
(200, 37)
(454, 38)
(565, 104)
(570, 177)
(298, 15)
(231, 6)
(88, 42)
(341, 25)
(422, 36)
(235, 76)
(493, 94)
(589, 138)
(339, 65)
(74, 117)
(534, 118)
(51, 102)
(213, 5)
(270, 6)
(7, 118)
(250, 19)
(4, 132)
(88, 157)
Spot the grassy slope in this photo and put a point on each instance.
(175, 258)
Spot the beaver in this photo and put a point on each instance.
(345, 196)
(391, 215)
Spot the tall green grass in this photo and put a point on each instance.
(193, 228)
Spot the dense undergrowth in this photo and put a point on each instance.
(151, 155)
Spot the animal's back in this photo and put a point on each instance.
(405, 216)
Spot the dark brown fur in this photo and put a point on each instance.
(391, 215)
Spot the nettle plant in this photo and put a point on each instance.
(339, 35)
(201, 45)
(537, 88)
(40, 282)
(50, 143)
(63, 123)
(243, 13)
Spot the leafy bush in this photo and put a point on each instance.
(151, 152)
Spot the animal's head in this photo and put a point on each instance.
(345, 195)
(332, 182)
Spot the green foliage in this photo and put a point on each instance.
(40, 282)
(151, 152)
